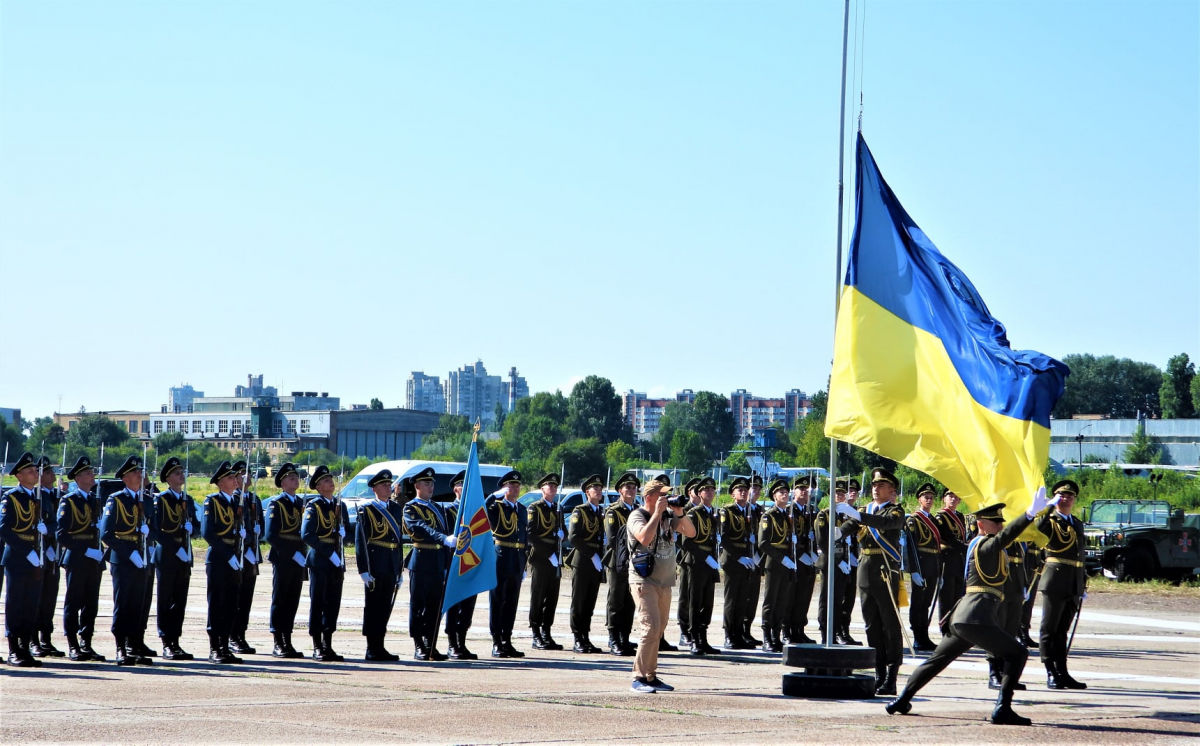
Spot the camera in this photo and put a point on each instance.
(677, 501)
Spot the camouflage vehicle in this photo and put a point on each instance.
(1140, 539)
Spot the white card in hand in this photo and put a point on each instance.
(554, 560)
(183, 555)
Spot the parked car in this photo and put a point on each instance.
(1139, 539)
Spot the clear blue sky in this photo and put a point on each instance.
(336, 194)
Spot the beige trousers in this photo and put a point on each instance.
(653, 607)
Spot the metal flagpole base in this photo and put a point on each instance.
(829, 671)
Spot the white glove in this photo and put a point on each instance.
(233, 562)
(366, 578)
(808, 559)
(299, 559)
(848, 510)
(795, 538)
(41, 528)
(596, 563)
(33, 558)
(787, 562)
(844, 567)
(187, 527)
(51, 555)
(144, 529)
(94, 554)
(182, 555)
(136, 559)
(918, 580)
(554, 560)
(560, 535)
(755, 559)
(342, 531)
(336, 559)
(450, 541)
(251, 557)
(746, 562)
(853, 561)
(1040, 502)
(711, 562)
(257, 529)
(241, 533)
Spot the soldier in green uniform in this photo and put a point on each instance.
(754, 587)
(545, 562)
(288, 558)
(700, 554)
(927, 541)
(1010, 610)
(685, 571)
(1063, 585)
(619, 617)
(510, 532)
(801, 515)
(973, 621)
(737, 560)
(953, 530)
(586, 533)
(846, 609)
(776, 548)
(838, 566)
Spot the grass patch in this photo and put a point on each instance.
(1186, 589)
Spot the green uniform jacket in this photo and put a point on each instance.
(987, 567)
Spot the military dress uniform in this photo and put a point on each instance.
(879, 583)
(250, 511)
(460, 615)
(738, 561)
(953, 530)
(974, 621)
(545, 566)
(802, 520)
(700, 553)
(124, 529)
(1063, 584)
(510, 532)
(83, 558)
(1010, 610)
(776, 549)
(587, 569)
(1033, 574)
(840, 569)
(754, 589)
(147, 500)
(289, 563)
(432, 542)
(323, 530)
(620, 606)
(685, 571)
(379, 554)
(222, 530)
(927, 541)
(21, 527)
(172, 526)
(41, 646)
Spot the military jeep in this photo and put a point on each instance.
(1141, 539)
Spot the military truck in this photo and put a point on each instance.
(1141, 539)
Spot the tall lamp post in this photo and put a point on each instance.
(1079, 440)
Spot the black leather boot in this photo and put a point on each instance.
(330, 653)
(901, 704)
(319, 649)
(288, 648)
(548, 640)
(280, 649)
(434, 653)
(614, 642)
(238, 644)
(538, 642)
(124, 657)
(138, 647)
(172, 651)
(685, 640)
(85, 647)
(995, 674)
(1003, 714)
(230, 657)
(508, 647)
(16, 655)
(1052, 678)
(628, 648)
(748, 637)
(888, 687)
(48, 649)
(704, 644)
(846, 638)
(498, 650)
(73, 651)
(1065, 678)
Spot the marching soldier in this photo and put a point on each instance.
(700, 555)
(124, 530)
(838, 566)
(846, 610)
(433, 543)
(220, 527)
(587, 570)
(619, 617)
(927, 539)
(23, 531)
(172, 526)
(879, 575)
(380, 558)
(545, 562)
(41, 646)
(974, 619)
(953, 530)
(1063, 585)
(82, 555)
(801, 515)
(323, 529)
(685, 571)
(738, 562)
(776, 548)
(460, 615)
(288, 558)
(250, 510)
(510, 533)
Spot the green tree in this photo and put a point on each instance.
(820, 403)
(12, 439)
(618, 454)
(580, 457)
(1143, 449)
(1196, 393)
(1175, 394)
(714, 422)
(1108, 386)
(677, 415)
(45, 430)
(534, 428)
(94, 429)
(376, 404)
(167, 442)
(689, 452)
(594, 410)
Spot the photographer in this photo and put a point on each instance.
(651, 530)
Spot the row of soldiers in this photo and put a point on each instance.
(775, 552)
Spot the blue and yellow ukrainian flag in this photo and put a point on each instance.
(923, 374)
(473, 567)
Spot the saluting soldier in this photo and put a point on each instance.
(433, 544)
(510, 533)
(1063, 585)
(587, 570)
(620, 608)
(220, 527)
(700, 554)
(41, 646)
(83, 556)
(250, 511)
(838, 565)
(776, 548)
(953, 531)
(123, 529)
(380, 558)
(738, 562)
(460, 615)
(974, 619)
(801, 515)
(23, 531)
(685, 571)
(545, 562)
(288, 558)
(927, 539)
(172, 526)
(323, 529)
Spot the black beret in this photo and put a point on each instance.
(993, 512)
(225, 469)
(458, 478)
(172, 464)
(425, 475)
(739, 482)
(628, 478)
(383, 475)
(592, 480)
(283, 471)
(879, 474)
(318, 474)
(133, 463)
(81, 465)
(548, 479)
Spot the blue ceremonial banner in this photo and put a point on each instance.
(473, 567)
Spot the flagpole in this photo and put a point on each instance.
(837, 289)
(458, 522)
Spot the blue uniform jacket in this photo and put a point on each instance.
(283, 516)
(219, 527)
(427, 525)
(377, 544)
(120, 527)
(78, 527)
(168, 526)
(323, 529)
(19, 517)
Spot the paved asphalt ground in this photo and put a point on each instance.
(1140, 656)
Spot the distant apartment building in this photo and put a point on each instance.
(137, 423)
(644, 415)
(424, 393)
(472, 393)
(254, 388)
(753, 414)
(180, 398)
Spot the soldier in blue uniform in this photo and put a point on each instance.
(288, 558)
(146, 497)
(801, 518)
(172, 525)
(23, 531)
(1063, 584)
(585, 558)
(510, 532)
(124, 529)
(545, 562)
(433, 542)
(41, 646)
(250, 512)
(323, 530)
(221, 529)
(380, 557)
(616, 563)
(459, 616)
(83, 556)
